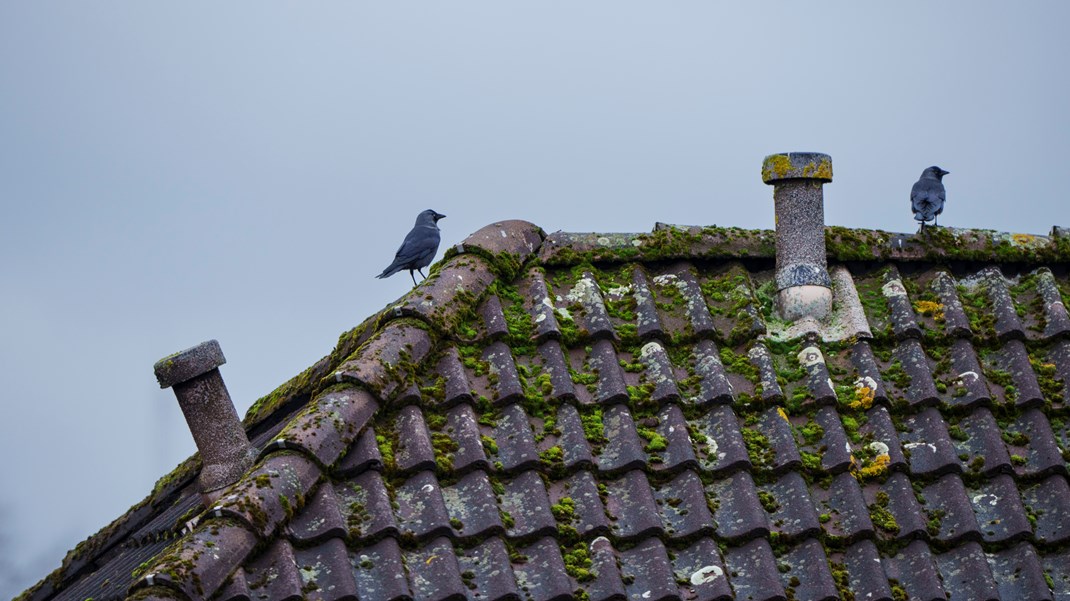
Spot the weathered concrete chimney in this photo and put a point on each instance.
(225, 450)
(802, 279)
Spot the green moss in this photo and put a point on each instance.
(768, 501)
(593, 428)
(758, 448)
(655, 442)
(552, 458)
(936, 517)
(881, 517)
(738, 364)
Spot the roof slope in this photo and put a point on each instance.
(611, 416)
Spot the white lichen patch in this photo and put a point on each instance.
(810, 355)
(585, 292)
(894, 288)
(878, 447)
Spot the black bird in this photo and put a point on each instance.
(419, 247)
(927, 195)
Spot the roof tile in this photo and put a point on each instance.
(702, 572)
(434, 572)
(606, 582)
(326, 574)
(966, 575)
(1046, 504)
(753, 571)
(483, 574)
(647, 573)
(541, 576)
(631, 507)
(366, 506)
(274, 574)
(1018, 573)
(380, 572)
(807, 575)
(473, 507)
(525, 501)
(421, 510)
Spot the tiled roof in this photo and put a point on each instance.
(611, 416)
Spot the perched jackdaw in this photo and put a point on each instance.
(927, 195)
(419, 247)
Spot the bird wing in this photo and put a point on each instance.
(926, 194)
(419, 243)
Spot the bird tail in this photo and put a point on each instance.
(389, 271)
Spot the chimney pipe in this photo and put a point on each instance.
(225, 450)
(804, 288)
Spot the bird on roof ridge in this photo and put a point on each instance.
(419, 247)
(927, 195)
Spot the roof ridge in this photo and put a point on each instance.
(936, 244)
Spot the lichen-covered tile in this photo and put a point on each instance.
(647, 573)
(362, 455)
(380, 572)
(321, 518)
(1018, 573)
(554, 364)
(904, 518)
(227, 544)
(485, 572)
(900, 312)
(1048, 504)
(674, 451)
(842, 508)
(737, 509)
(1058, 358)
(390, 358)
(956, 323)
(330, 423)
(869, 373)
(817, 375)
(366, 506)
(780, 438)
(950, 515)
(623, 449)
(325, 572)
(865, 577)
(610, 388)
(977, 437)
(541, 576)
(266, 496)
(421, 512)
(966, 575)
(603, 581)
(236, 588)
(884, 438)
(588, 514)
(434, 573)
(1032, 446)
(540, 306)
(575, 449)
(659, 372)
(504, 380)
(463, 446)
(914, 377)
(807, 575)
(515, 440)
(719, 441)
(472, 506)
(1055, 318)
(683, 506)
(968, 385)
(1057, 568)
(762, 360)
(528, 507)
(694, 303)
(631, 506)
(999, 510)
(714, 386)
(791, 511)
(701, 572)
(454, 384)
(494, 325)
(1008, 325)
(273, 574)
(413, 450)
(593, 321)
(753, 572)
(648, 324)
(928, 444)
(832, 446)
(914, 570)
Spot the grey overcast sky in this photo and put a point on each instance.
(174, 172)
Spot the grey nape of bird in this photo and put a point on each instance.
(419, 247)
(927, 195)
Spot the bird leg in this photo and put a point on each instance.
(413, 278)
(421, 273)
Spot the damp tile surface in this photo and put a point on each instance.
(634, 428)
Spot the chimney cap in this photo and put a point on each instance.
(188, 364)
(797, 165)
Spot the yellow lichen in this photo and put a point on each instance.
(863, 398)
(877, 467)
(776, 166)
(1023, 239)
(934, 310)
(783, 414)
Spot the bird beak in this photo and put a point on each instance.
(439, 216)
(942, 172)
